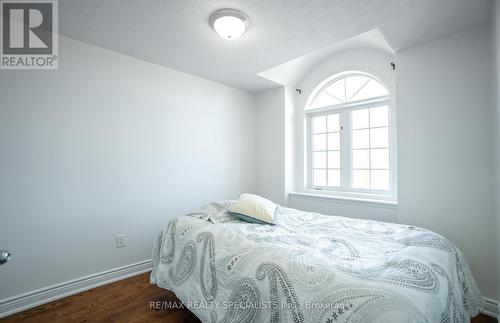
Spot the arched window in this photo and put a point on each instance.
(348, 89)
(350, 144)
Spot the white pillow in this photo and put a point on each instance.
(254, 209)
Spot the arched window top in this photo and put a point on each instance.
(348, 88)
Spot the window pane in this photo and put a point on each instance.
(319, 124)
(337, 90)
(367, 136)
(334, 159)
(360, 139)
(323, 100)
(379, 158)
(361, 159)
(372, 89)
(379, 137)
(319, 160)
(361, 179)
(354, 84)
(334, 122)
(360, 119)
(380, 180)
(319, 177)
(379, 117)
(334, 177)
(334, 141)
(319, 142)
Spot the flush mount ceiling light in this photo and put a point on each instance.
(229, 23)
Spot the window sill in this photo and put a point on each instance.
(345, 199)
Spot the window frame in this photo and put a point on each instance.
(346, 167)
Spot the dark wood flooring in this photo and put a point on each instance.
(128, 300)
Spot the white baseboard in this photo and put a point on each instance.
(31, 299)
(490, 307)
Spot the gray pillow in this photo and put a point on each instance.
(249, 219)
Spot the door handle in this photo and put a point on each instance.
(4, 256)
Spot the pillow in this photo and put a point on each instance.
(254, 209)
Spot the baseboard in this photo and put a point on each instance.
(28, 300)
(490, 307)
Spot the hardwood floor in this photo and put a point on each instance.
(128, 300)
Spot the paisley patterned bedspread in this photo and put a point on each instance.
(312, 268)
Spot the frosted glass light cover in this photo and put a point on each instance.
(229, 23)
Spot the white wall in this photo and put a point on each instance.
(109, 144)
(290, 121)
(445, 146)
(496, 101)
(270, 144)
(276, 144)
(276, 127)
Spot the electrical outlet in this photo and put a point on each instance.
(121, 241)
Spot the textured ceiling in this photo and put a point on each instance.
(292, 72)
(175, 33)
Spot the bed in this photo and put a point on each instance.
(312, 268)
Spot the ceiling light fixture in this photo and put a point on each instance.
(229, 23)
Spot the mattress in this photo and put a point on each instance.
(311, 267)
